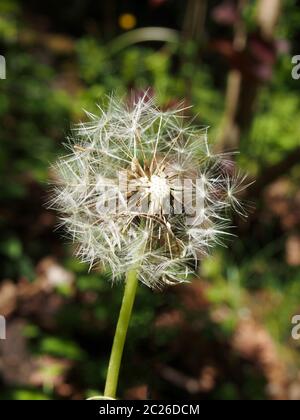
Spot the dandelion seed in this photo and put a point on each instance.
(142, 187)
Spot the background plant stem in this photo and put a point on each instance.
(120, 334)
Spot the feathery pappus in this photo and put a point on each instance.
(141, 188)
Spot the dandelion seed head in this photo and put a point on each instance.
(142, 188)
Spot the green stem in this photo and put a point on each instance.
(120, 334)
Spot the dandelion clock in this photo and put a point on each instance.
(141, 194)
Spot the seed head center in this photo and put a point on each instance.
(159, 188)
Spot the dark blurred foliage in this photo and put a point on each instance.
(227, 335)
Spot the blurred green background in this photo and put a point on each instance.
(227, 335)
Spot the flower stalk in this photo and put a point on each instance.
(120, 334)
